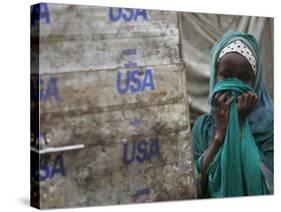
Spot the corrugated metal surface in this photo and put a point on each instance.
(114, 122)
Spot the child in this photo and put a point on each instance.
(233, 144)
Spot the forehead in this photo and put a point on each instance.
(234, 60)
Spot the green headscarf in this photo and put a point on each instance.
(244, 163)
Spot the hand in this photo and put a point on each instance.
(222, 102)
(245, 103)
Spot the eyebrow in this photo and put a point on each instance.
(227, 71)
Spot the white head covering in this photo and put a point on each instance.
(241, 48)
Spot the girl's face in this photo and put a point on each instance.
(234, 65)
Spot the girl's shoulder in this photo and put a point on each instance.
(203, 128)
(204, 121)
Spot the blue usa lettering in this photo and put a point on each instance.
(144, 191)
(126, 14)
(48, 89)
(40, 12)
(134, 82)
(46, 172)
(140, 151)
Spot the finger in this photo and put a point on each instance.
(217, 95)
(227, 103)
(229, 100)
(239, 102)
(243, 100)
(254, 98)
(221, 99)
(248, 99)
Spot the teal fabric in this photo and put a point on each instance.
(259, 128)
(235, 170)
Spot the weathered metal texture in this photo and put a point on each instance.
(62, 56)
(90, 33)
(116, 88)
(97, 176)
(77, 22)
(96, 91)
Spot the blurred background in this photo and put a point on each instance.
(199, 32)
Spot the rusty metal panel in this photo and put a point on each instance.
(75, 22)
(145, 37)
(70, 29)
(99, 175)
(114, 119)
(115, 126)
(102, 91)
(61, 57)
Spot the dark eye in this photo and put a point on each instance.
(245, 79)
(226, 76)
